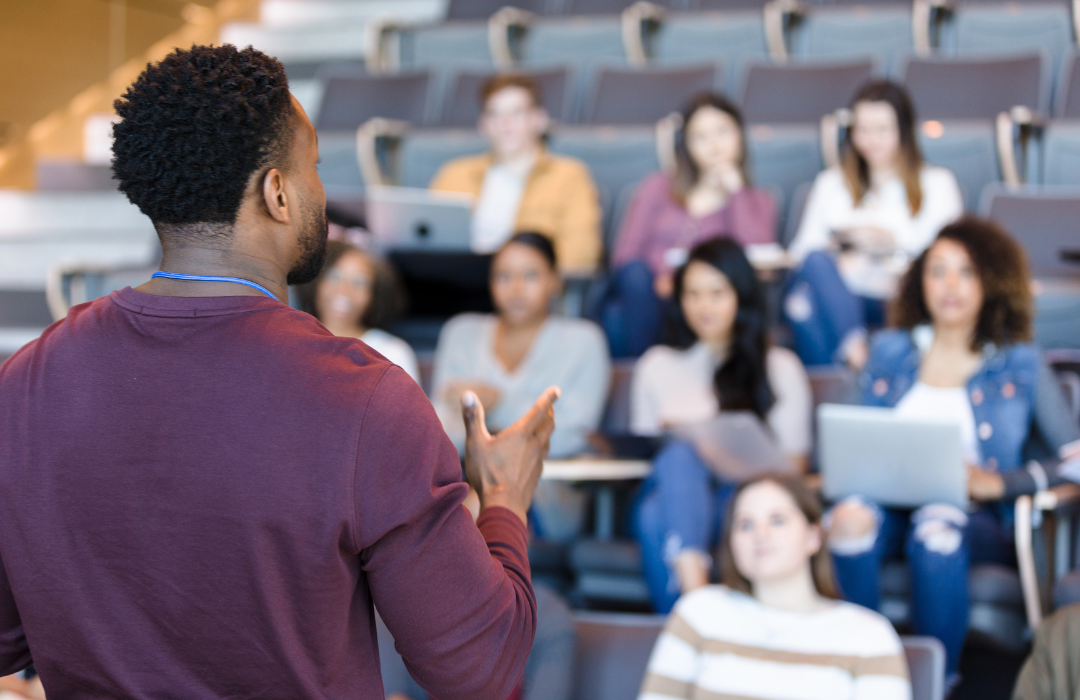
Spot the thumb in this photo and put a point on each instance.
(473, 413)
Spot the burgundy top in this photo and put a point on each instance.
(202, 498)
(657, 223)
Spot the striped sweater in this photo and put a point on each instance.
(722, 645)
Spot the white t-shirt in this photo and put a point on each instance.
(394, 349)
(496, 209)
(830, 208)
(719, 643)
(944, 404)
(673, 387)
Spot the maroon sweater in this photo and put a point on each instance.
(202, 498)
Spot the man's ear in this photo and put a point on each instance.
(274, 197)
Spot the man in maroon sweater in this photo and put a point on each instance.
(203, 491)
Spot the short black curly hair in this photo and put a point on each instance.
(195, 127)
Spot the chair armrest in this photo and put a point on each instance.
(1028, 122)
(923, 15)
(1025, 559)
(501, 26)
(637, 20)
(1060, 499)
(776, 16)
(367, 139)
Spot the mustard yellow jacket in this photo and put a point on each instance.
(560, 201)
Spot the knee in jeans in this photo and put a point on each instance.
(676, 455)
(939, 528)
(852, 526)
(798, 305)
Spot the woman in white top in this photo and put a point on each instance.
(522, 349)
(864, 220)
(358, 296)
(718, 359)
(775, 629)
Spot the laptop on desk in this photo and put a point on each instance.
(891, 460)
(408, 218)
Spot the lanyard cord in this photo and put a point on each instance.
(206, 278)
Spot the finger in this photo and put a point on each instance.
(541, 411)
(473, 413)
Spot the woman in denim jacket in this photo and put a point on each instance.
(961, 352)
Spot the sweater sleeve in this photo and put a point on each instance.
(753, 216)
(883, 673)
(644, 408)
(790, 416)
(585, 388)
(456, 597)
(14, 651)
(632, 242)
(453, 356)
(941, 205)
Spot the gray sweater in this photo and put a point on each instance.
(568, 352)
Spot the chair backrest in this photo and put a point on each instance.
(800, 93)
(424, 152)
(612, 653)
(988, 86)
(968, 149)
(623, 96)
(841, 33)
(617, 413)
(462, 103)
(1070, 387)
(733, 40)
(1046, 222)
(1061, 152)
(1067, 99)
(350, 98)
(794, 213)
(783, 156)
(482, 9)
(24, 308)
(926, 664)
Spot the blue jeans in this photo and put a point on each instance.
(822, 311)
(631, 313)
(681, 506)
(939, 547)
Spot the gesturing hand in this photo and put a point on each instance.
(504, 469)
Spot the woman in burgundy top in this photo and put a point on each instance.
(708, 195)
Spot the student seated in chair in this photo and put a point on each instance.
(718, 359)
(963, 353)
(775, 628)
(501, 357)
(519, 185)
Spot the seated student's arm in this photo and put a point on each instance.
(638, 227)
(458, 175)
(791, 415)
(456, 597)
(578, 241)
(753, 216)
(644, 404)
(813, 233)
(883, 673)
(455, 368)
(14, 651)
(585, 390)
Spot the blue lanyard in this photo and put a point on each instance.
(206, 278)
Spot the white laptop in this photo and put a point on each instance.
(408, 218)
(891, 460)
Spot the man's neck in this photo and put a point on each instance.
(216, 262)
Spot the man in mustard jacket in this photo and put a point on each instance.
(519, 186)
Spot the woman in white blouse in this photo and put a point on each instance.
(718, 359)
(864, 220)
(775, 629)
(358, 296)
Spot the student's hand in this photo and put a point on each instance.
(504, 469)
(489, 396)
(984, 485)
(664, 285)
(726, 177)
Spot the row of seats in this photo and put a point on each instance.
(774, 94)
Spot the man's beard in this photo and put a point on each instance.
(313, 237)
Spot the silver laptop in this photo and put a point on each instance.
(407, 218)
(888, 459)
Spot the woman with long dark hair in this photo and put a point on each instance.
(863, 221)
(718, 359)
(775, 627)
(708, 195)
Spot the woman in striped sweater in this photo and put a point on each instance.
(775, 629)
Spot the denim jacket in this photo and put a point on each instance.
(1014, 396)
